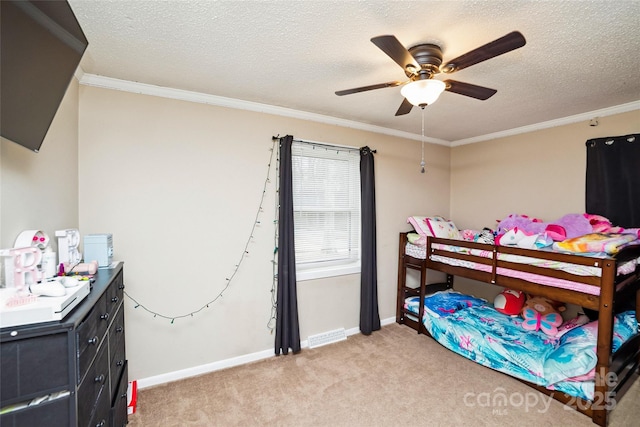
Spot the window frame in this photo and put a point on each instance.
(345, 266)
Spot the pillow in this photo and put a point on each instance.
(417, 239)
(579, 320)
(440, 227)
(419, 224)
(576, 354)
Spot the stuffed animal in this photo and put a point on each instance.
(523, 222)
(485, 236)
(570, 225)
(509, 302)
(542, 314)
(600, 224)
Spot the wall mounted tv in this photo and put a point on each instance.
(41, 44)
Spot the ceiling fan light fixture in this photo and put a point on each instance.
(423, 92)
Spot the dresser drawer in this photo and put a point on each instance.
(100, 417)
(53, 413)
(90, 334)
(27, 370)
(96, 381)
(118, 410)
(116, 348)
(115, 293)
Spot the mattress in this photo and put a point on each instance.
(420, 252)
(471, 327)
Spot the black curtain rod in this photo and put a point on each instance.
(320, 144)
(330, 146)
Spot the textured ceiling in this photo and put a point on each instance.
(580, 56)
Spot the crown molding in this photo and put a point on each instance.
(624, 108)
(220, 101)
(78, 73)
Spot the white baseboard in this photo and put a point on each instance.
(387, 321)
(228, 363)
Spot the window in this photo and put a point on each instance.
(326, 210)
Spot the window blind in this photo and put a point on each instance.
(326, 204)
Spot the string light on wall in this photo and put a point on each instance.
(245, 252)
(271, 324)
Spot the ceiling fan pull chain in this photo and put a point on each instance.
(422, 162)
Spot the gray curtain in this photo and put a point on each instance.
(287, 327)
(613, 179)
(369, 315)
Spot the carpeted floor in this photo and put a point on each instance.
(393, 377)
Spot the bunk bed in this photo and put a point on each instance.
(517, 268)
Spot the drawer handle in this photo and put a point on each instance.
(102, 423)
(121, 286)
(99, 378)
(120, 362)
(93, 341)
(114, 299)
(105, 316)
(119, 329)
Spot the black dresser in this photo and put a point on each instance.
(71, 372)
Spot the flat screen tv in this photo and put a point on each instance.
(41, 44)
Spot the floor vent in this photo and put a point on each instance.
(326, 338)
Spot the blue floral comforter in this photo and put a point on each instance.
(471, 327)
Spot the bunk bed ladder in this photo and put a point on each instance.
(407, 262)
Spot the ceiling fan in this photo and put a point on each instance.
(422, 62)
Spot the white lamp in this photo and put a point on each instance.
(423, 92)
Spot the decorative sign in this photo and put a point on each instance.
(20, 267)
(34, 238)
(68, 241)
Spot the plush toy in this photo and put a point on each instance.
(570, 225)
(509, 302)
(543, 314)
(600, 224)
(485, 236)
(523, 222)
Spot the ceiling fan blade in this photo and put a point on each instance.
(478, 92)
(405, 108)
(365, 88)
(396, 51)
(511, 41)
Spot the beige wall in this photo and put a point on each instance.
(39, 191)
(540, 174)
(179, 184)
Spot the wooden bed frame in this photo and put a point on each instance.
(624, 363)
